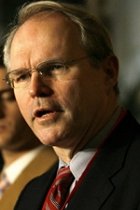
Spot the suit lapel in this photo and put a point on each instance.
(98, 186)
(32, 170)
(36, 194)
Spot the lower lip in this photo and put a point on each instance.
(48, 117)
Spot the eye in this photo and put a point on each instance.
(8, 96)
(52, 69)
(21, 77)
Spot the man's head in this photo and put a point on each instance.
(64, 73)
(93, 36)
(15, 135)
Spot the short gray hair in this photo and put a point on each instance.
(94, 37)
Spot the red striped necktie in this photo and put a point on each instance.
(59, 190)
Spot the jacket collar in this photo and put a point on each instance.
(106, 168)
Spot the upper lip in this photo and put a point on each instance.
(39, 112)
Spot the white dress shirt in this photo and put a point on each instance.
(15, 169)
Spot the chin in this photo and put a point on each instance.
(47, 138)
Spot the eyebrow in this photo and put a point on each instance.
(40, 65)
(18, 71)
(52, 61)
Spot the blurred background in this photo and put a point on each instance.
(121, 17)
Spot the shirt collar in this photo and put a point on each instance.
(82, 158)
(15, 169)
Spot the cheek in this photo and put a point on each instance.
(68, 94)
(22, 102)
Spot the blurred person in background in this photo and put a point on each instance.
(61, 59)
(21, 152)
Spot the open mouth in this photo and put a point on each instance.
(43, 112)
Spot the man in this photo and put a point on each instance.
(61, 59)
(21, 152)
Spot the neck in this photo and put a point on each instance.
(66, 154)
(10, 156)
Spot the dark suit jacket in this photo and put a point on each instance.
(112, 183)
(44, 160)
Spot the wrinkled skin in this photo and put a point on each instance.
(74, 108)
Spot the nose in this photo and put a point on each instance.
(38, 87)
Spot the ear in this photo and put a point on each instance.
(111, 68)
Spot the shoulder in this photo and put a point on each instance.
(36, 190)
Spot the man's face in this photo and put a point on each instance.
(62, 111)
(12, 124)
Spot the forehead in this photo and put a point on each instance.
(53, 26)
(53, 35)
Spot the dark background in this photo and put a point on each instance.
(9, 8)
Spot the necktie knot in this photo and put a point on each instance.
(64, 175)
(59, 191)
